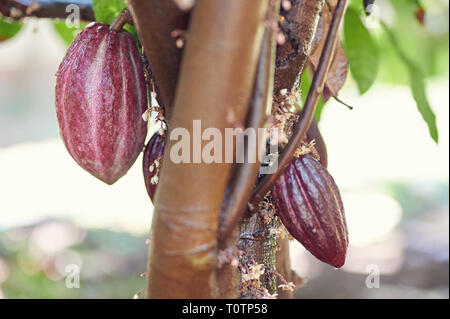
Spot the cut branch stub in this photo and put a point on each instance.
(123, 18)
(310, 206)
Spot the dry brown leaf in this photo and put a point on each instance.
(339, 66)
(337, 73)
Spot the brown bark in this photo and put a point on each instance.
(284, 267)
(155, 20)
(43, 9)
(215, 84)
(307, 113)
(299, 27)
(245, 174)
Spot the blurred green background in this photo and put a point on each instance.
(393, 177)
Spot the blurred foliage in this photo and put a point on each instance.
(425, 45)
(417, 198)
(393, 45)
(111, 264)
(361, 50)
(8, 28)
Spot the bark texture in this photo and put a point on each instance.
(284, 267)
(155, 20)
(299, 25)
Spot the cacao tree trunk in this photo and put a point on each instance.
(155, 20)
(214, 86)
(299, 26)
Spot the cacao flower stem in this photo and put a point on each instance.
(308, 111)
(246, 174)
(123, 18)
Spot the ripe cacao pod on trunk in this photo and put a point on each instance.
(313, 133)
(100, 97)
(151, 163)
(309, 204)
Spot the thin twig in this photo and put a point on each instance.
(18, 9)
(246, 173)
(308, 111)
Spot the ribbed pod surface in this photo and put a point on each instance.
(309, 204)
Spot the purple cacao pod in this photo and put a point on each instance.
(100, 98)
(309, 204)
(151, 163)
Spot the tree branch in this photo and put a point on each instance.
(123, 18)
(308, 111)
(18, 9)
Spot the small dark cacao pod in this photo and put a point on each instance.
(100, 98)
(309, 204)
(151, 163)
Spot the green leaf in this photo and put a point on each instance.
(361, 50)
(106, 11)
(66, 33)
(356, 5)
(417, 85)
(8, 29)
(305, 85)
(429, 43)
